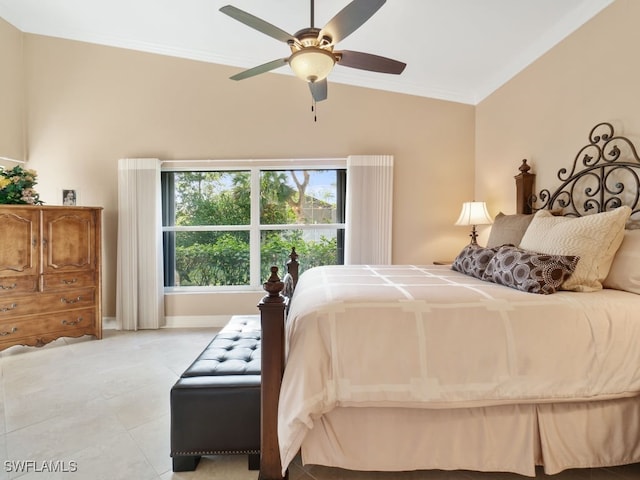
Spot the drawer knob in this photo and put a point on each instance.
(13, 306)
(71, 323)
(13, 330)
(69, 282)
(8, 287)
(73, 300)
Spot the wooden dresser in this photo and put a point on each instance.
(50, 273)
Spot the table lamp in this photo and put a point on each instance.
(474, 213)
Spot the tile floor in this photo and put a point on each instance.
(101, 408)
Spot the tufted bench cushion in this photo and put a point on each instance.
(215, 404)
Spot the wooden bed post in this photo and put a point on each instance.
(524, 188)
(272, 315)
(293, 266)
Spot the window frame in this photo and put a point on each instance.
(254, 228)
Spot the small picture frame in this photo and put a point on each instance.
(69, 197)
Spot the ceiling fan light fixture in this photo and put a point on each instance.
(312, 49)
(312, 64)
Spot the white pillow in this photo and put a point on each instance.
(594, 238)
(625, 269)
(508, 229)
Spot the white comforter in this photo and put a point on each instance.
(429, 337)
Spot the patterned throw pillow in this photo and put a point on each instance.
(528, 271)
(473, 260)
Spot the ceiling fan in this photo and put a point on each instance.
(312, 49)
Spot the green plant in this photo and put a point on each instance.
(16, 186)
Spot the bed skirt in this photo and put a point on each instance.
(506, 438)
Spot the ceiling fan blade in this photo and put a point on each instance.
(367, 61)
(257, 23)
(264, 68)
(318, 90)
(350, 18)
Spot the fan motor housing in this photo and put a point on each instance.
(310, 37)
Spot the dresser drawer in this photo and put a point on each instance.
(40, 329)
(67, 281)
(18, 284)
(16, 306)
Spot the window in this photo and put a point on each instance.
(226, 228)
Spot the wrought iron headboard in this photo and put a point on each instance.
(605, 175)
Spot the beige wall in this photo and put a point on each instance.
(11, 94)
(545, 114)
(91, 105)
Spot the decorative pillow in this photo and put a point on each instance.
(473, 260)
(530, 272)
(594, 238)
(508, 229)
(624, 273)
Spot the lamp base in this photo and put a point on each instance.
(473, 235)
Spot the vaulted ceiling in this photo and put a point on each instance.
(458, 50)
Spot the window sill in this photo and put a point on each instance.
(210, 290)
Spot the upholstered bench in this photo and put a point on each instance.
(215, 404)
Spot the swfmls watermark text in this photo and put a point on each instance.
(40, 466)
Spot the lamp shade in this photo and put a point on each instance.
(312, 64)
(474, 213)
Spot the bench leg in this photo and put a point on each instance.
(254, 461)
(185, 463)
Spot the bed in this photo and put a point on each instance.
(522, 353)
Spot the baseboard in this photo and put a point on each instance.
(196, 321)
(180, 321)
(109, 323)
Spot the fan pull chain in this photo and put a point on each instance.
(314, 109)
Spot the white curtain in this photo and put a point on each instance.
(369, 207)
(140, 284)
